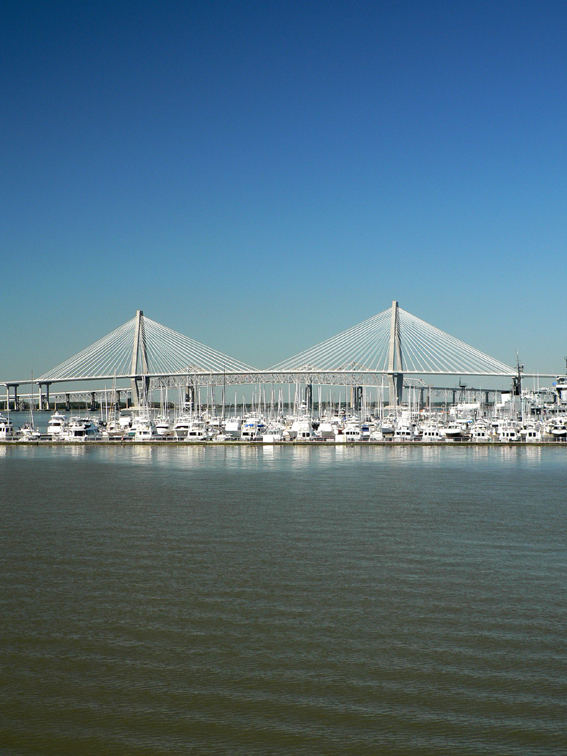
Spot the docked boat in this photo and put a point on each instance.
(7, 432)
(509, 433)
(233, 428)
(252, 429)
(163, 427)
(79, 429)
(144, 429)
(431, 433)
(181, 427)
(302, 430)
(28, 432)
(56, 426)
(198, 431)
(481, 433)
(453, 432)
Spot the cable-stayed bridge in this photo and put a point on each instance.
(392, 344)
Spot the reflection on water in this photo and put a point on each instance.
(300, 599)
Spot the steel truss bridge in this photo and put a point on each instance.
(392, 349)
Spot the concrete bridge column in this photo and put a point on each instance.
(15, 400)
(93, 401)
(309, 397)
(68, 402)
(190, 396)
(395, 389)
(47, 396)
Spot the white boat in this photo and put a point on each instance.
(453, 432)
(558, 431)
(531, 434)
(56, 426)
(163, 427)
(144, 429)
(198, 431)
(404, 432)
(326, 430)
(431, 433)
(29, 433)
(509, 433)
(302, 430)
(252, 429)
(232, 428)
(352, 432)
(7, 432)
(181, 427)
(79, 429)
(481, 433)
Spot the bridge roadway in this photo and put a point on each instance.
(190, 381)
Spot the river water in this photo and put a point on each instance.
(239, 600)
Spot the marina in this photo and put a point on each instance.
(375, 382)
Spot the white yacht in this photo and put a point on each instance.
(7, 432)
(531, 433)
(181, 427)
(232, 428)
(56, 426)
(326, 430)
(79, 429)
(302, 430)
(481, 433)
(508, 433)
(557, 429)
(252, 429)
(144, 429)
(404, 432)
(431, 433)
(198, 431)
(163, 427)
(453, 432)
(352, 432)
(28, 432)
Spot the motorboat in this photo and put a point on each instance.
(79, 429)
(7, 432)
(252, 429)
(28, 432)
(233, 428)
(431, 433)
(56, 426)
(453, 432)
(198, 431)
(162, 427)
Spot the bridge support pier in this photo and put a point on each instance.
(43, 403)
(93, 402)
(190, 397)
(309, 397)
(357, 394)
(68, 402)
(395, 388)
(9, 405)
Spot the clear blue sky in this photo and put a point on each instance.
(261, 175)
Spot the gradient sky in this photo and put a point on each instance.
(262, 175)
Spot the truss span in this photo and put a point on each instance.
(420, 348)
(143, 346)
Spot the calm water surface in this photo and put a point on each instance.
(240, 600)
